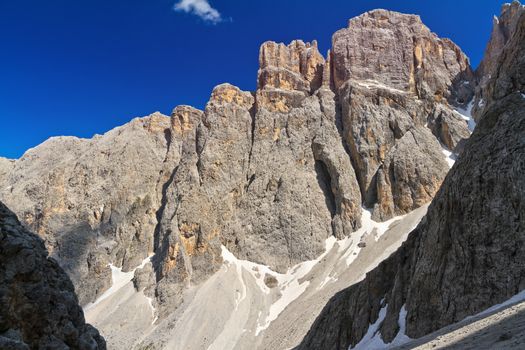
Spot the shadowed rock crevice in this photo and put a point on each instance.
(159, 214)
(253, 113)
(325, 183)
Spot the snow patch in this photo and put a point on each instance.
(372, 339)
(374, 84)
(118, 280)
(349, 245)
(351, 248)
(239, 295)
(256, 270)
(481, 103)
(380, 227)
(150, 302)
(328, 279)
(523, 95)
(289, 284)
(368, 226)
(449, 157)
(401, 337)
(466, 114)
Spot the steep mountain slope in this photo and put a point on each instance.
(467, 254)
(502, 326)
(38, 308)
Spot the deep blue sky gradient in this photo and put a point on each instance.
(83, 67)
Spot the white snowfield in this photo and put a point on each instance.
(235, 309)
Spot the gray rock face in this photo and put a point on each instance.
(451, 265)
(411, 173)
(38, 305)
(393, 75)
(503, 28)
(271, 182)
(202, 192)
(448, 127)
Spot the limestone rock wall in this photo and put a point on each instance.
(392, 75)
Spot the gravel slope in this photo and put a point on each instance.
(252, 313)
(501, 329)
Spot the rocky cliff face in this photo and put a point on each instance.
(38, 308)
(451, 266)
(273, 179)
(94, 201)
(269, 174)
(503, 28)
(393, 77)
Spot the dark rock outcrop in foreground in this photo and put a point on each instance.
(469, 252)
(38, 305)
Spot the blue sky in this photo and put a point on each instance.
(83, 67)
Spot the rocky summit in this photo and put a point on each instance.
(251, 224)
